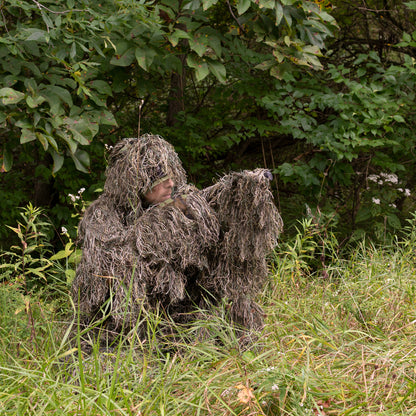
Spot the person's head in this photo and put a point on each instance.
(160, 192)
(137, 166)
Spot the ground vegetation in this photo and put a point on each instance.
(339, 342)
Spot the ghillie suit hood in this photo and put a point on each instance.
(170, 255)
(135, 165)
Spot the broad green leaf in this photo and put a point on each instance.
(206, 4)
(320, 27)
(276, 72)
(6, 161)
(327, 18)
(172, 63)
(10, 80)
(201, 71)
(52, 142)
(75, 257)
(279, 13)
(24, 123)
(267, 4)
(72, 144)
(278, 55)
(200, 66)
(218, 69)
(198, 46)
(101, 86)
(43, 140)
(13, 65)
(176, 36)
(81, 160)
(73, 51)
(47, 20)
(145, 57)
(27, 136)
(287, 40)
(108, 118)
(243, 6)
(31, 85)
(33, 102)
(10, 96)
(264, 66)
(192, 61)
(36, 34)
(411, 5)
(82, 129)
(287, 17)
(58, 161)
(192, 4)
(70, 276)
(394, 221)
(97, 48)
(124, 59)
(399, 118)
(63, 254)
(38, 271)
(215, 43)
(78, 136)
(62, 93)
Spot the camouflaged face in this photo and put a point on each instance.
(136, 165)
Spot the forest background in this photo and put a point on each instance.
(322, 93)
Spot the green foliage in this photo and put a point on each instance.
(31, 265)
(350, 127)
(74, 75)
(52, 92)
(28, 263)
(61, 64)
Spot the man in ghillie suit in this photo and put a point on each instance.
(151, 241)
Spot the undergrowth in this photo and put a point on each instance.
(339, 339)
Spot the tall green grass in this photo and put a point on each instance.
(337, 341)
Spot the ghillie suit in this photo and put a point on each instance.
(173, 255)
(250, 225)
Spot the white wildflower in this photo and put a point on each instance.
(81, 191)
(64, 230)
(390, 177)
(376, 201)
(393, 205)
(73, 199)
(373, 178)
(275, 387)
(407, 192)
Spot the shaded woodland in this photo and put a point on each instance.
(320, 92)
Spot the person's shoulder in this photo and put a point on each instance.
(100, 210)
